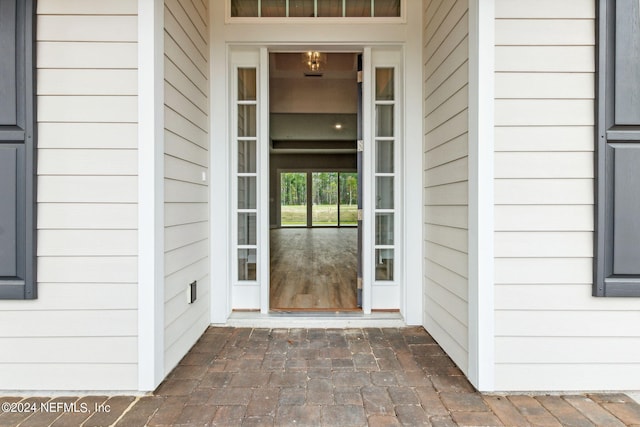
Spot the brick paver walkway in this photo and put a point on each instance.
(324, 377)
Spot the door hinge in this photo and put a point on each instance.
(359, 76)
(361, 145)
(360, 215)
(359, 282)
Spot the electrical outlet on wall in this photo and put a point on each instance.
(192, 293)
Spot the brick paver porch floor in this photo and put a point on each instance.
(326, 377)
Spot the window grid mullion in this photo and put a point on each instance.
(251, 250)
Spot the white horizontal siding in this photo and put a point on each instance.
(446, 54)
(544, 165)
(80, 55)
(456, 193)
(88, 28)
(66, 323)
(544, 218)
(185, 213)
(81, 350)
(104, 216)
(569, 323)
(181, 235)
(569, 350)
(544, 112)
(551, 334)
(82, 296)
(81, 332)
(74, 376)
(185, 256)
(560, 297)
(545, 32)
(87, 162)
(546, 9)
(543, 270)
(87, 82)
(569, 376)
(93, 109)
(109, 242)
(531, 59)
(178, 147)
(103, 135)
(88, 269)
(527, 244)
(174, 282)
(454, 238)
(452, 216)
(185, 192)
(186, 68)
(87, 7)
(545, 86)
(543, 191)
(87, 189)
(544, 138)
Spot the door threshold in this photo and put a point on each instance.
(316, 319)
(314, 310)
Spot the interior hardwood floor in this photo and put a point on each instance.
(314, 268)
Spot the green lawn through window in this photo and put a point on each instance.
(323, 215)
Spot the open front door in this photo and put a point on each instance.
(360, 180)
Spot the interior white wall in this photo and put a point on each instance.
(312, 95)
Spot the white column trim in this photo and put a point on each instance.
(150, 194)
(219, 173)
(481, 197)
(412, 175)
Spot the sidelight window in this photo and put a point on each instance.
(246, 174)
(385, 174)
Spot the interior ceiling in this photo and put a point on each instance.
(310, 134)
(291, 65)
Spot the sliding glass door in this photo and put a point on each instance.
(325, 199)
(293, 199)
(318, 199)
(348, 200)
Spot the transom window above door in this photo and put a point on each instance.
(316, 8)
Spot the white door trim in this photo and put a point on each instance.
(264, 251)
(367, 177)
(221, 300)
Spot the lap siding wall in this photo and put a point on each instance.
(186, 159)
(551, 334)
(446, 82)
(81, 332)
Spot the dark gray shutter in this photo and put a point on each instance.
(617, 248)
(17, 150)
